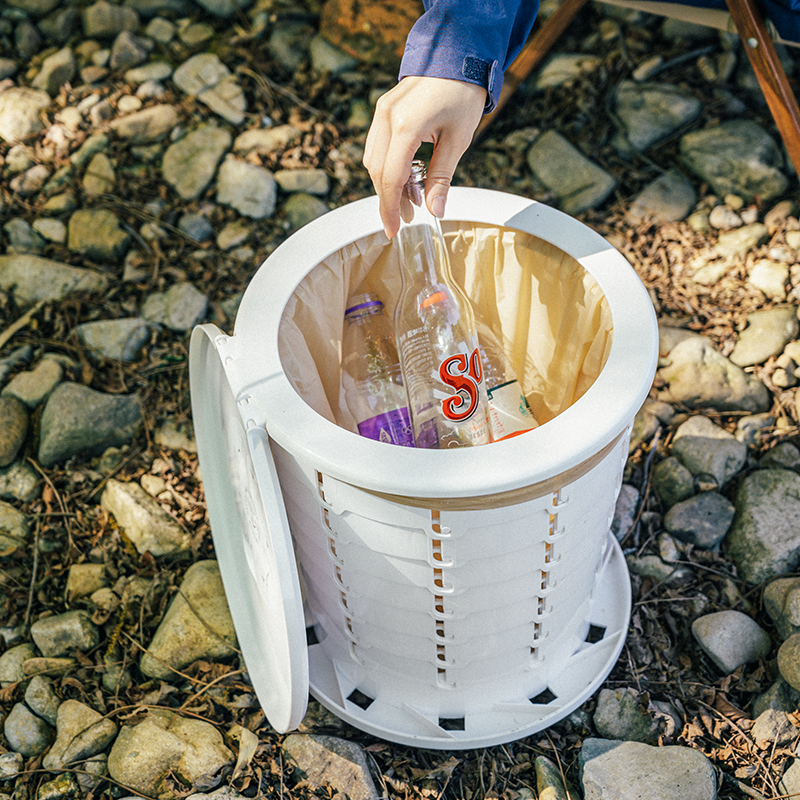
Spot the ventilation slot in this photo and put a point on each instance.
(595, 634)
(311, 636)
(358, 698)
(543, 698)
(451, 723)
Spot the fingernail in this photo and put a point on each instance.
(437, 206)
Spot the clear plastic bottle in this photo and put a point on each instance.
(509, 412)
(435, 329)
(371, 376)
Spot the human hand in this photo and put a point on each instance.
(419, 109)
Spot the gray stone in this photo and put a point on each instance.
(84, 579)
(97, 233)
(224, 8)
(301, 208)
(78, 420)
(15, 530)
(8, 67)
(723, 218)
(625, 511)
(782, 603)
(620, 714)
(54, 230)
(11, 764)
(20, 112)
(670, 197)
(196, 227)
(20, 482)
(751, 428)
(180, 308)
(789, 784)
(736, 157)
(13, 428)
(789, 660)
(652, 111)
(11, 663)
(766, 334)
(249, 189)
(564, 68)
(773, 728)
(564, 170)
(328, 760)
(41, 699)
(770, 278)
(731, 639)
(191, 162)
(197, 624)
(93, 145)
(117, 339)
(764, 540)
(81, 732)
(22, 238)
(311, 181)
(32, 386)
(207, 78)
(63, 634)
(99, 177)
(105, 20)
(784, 455)
(325, 57)
(700, 377)
(148, 526)
(672, 481)
(614, 770)
(779, 697)
(702, 520)
(144, 754)
(264, 141)
(56, 70)
(128, 50)
(703, 447)
(148, 125)
(26, 733)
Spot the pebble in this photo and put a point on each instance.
(11, 663)
(81, 732)
(773, 728)
(620, 714)
(20, 110)
(99, 177)
(84, 579)
(145, 523)
(264, 141)
(615, 770)
(115, 339)
(20, 482)
(247, 188)
(669, 198)
(701, 520)
(197, 624)
(579, 183)
(764, 540)
(730, 639)
(739, 242)
(724, 218)
(79, 420)
(11, 764)
(698, 376)
(144, 754)
(770, 278)
(41, 699)
(191, 162)
(782, 603)
(651, 112)
(331, 761)
(311, 181)
(26, 733)
(301, 208)
(97, 234)
(704, 447)
(179, 308)
(62, 634)
(15, 530)
(13, 428)
(35, 278)
(563, 68)
(767, 334)
(789, 660)
(715, 155)
(672, 481)
(148, 125)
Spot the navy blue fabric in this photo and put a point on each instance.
(469, 40)
(784, 14)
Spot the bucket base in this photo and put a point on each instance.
(580, 677)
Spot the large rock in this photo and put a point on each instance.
(190, 163)
(20, 110)
(614, 770)
(764, 540)
(698, 376)
(197, 624)
(81, 732)
(737, 157)
(79, 420)
(34, 278)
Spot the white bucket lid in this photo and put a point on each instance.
(252, 540)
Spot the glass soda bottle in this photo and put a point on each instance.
(509, 412)
(371, 376)
(435, 329)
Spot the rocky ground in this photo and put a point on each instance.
(152, 154)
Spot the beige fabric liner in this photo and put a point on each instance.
(554, 320)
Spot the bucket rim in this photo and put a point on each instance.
(604, 412)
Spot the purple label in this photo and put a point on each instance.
(393, 427)
(427, 435)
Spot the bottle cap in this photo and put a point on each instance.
(436, 297)
(360, 302)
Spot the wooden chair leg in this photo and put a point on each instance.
(770, 73)
(535, 49)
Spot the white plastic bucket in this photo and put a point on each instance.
(450, 599)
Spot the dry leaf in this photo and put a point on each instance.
(248, 744)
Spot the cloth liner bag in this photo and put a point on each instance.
(449, 599)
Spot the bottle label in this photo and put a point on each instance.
(463, 374)
(509, 413)
(393, 427)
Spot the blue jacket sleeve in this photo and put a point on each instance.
(469, 40)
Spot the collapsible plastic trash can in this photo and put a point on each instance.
(437, 598)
